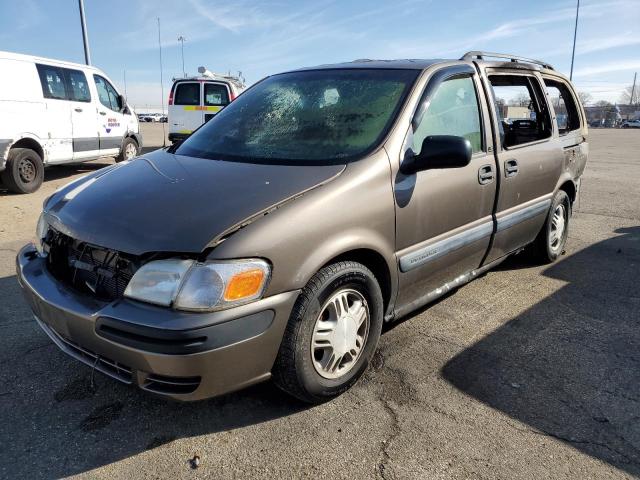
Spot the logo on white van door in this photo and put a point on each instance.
(111, 123)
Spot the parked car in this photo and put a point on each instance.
(277, 239)
(196, 100)
(631, 124)
(54, 112)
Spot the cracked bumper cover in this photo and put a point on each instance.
(143, 344)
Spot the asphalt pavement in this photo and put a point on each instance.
(528, 372)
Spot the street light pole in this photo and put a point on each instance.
(575, 34)
(85, 38)
(181, 39)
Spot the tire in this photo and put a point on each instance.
(24, 171)
(298, 369)
(548, 245)
(129, 145)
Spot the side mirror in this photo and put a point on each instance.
(123, 104)
(439, 151)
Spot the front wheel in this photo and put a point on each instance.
(332, 333)
(128, 151)
(550, 242)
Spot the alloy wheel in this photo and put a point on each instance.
(340, 333)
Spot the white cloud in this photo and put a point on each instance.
(600, 68)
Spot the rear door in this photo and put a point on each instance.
(57, 117)
(86, 142)
(215, 97)
(112, 124)
(185, 115)
(529, 159)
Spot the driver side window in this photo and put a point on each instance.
(453, 109)
(107, 94)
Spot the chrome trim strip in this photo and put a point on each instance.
(523, 214)
(438, 249)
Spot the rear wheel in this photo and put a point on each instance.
(550, 242)
(24, 171)
(129, 150)
(332, 333)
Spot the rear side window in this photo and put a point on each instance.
(522, 116)
(564, 105)
(107, 94)
(52, 81)
(453, 110)
(78, 86)
(187, 94)
(215, 94)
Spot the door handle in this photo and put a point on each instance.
(78, 109)
(103, 113)
(511, 168)
(485, 174)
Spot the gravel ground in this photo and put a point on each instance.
(528, 372)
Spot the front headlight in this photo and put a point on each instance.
(41, 232)
(191, 285)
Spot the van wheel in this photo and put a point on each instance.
(24, 171)
(332, 333)
(128, 151)
(550, 242)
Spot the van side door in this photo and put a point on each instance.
(112, 124)
(86, 142)
(57, 116)
(529, 159)
(444, 216)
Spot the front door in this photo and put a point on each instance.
(83, 116)
(529, 162)
(444, 216)
(112, 124)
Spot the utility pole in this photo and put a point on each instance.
(181, 39)
(633, 89)
(85, 38)
(161, 85)
(125, 82)
(575, 34)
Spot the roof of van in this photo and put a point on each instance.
(35, 58)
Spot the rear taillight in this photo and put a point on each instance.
(232, 96)
(171, 96)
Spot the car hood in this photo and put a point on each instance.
(162, 202)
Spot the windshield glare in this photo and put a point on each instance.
(318, 116)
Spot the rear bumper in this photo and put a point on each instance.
(181, 355)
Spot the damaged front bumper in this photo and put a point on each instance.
(181, 355)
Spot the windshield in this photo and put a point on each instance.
(308, 117)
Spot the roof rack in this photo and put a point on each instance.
(513, 58)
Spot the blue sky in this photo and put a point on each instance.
(263, 37)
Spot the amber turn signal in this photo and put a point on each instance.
(244, 284)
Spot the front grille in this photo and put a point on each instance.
(90, 269)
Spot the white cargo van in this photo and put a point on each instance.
(54, 112)
(195, 100)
